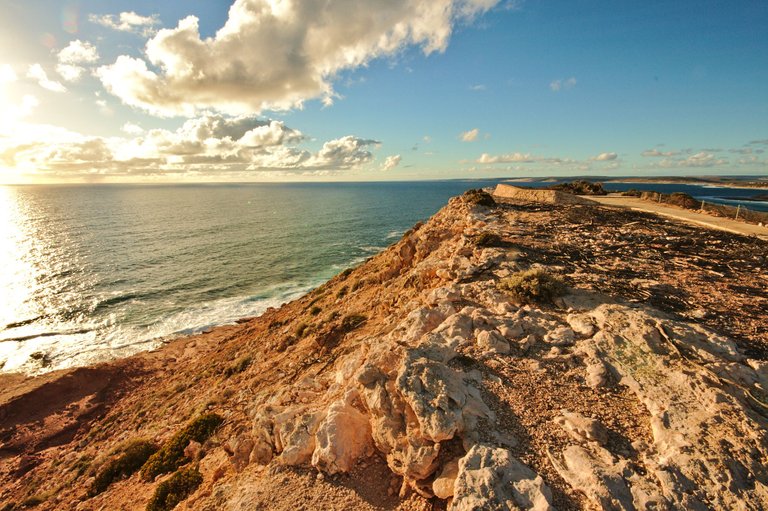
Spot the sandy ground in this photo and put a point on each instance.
(724, 224)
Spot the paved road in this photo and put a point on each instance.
(685, 215)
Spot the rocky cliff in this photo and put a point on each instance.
(499, 356)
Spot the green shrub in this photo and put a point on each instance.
(315, 310)
(352, 321)
(174, 490)
(171, 454)
(131, 458)
(301, 329)
(479, 197)
(239, 366)
(580, 187)
(532, 286)
(486, 239)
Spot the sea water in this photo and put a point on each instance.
(93, 272)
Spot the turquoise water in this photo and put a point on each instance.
(95, 272)
(90, 273)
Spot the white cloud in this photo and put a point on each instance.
(506, 158)
(130, 128)
(211, 144)
(655, 153)
(37, 73)
(276, 55)
(700, 159)
(470, 136)
(605, 157)
(127, 22)
(391, 162)
(478, 87)
(71, 60)
(7, 74)
(563, 84)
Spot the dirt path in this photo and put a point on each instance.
(724, 224)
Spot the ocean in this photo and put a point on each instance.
(94, 272)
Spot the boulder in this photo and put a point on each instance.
(491, 478)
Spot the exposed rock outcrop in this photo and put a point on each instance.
(422, 380)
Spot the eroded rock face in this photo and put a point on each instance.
(492, 479)
(446, 379)
(343, 437)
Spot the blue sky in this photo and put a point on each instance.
(367, 90)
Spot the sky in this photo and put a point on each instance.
(272, 90)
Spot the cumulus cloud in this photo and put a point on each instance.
(277, 55)
(391, 162)
(210, 144)
(127, 22)
(37, 73)
(71, 59)
(130, 128)
(562, 84)
(605, 157)
(506, 158)
(655, 153)
(700, 159)
(470, 136)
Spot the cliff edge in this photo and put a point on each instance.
(503, 355)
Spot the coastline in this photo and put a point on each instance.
(377, 312)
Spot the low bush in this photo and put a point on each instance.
(683, 200)
(130, 458)
(479, 197)
(352, 321)
(301, 329)
(315, 310)
(580, 187)
(486, 239)
(238, 367)
(532, 286)
(175, 489)
(171, 454)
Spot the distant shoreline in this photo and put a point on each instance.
(718, 181)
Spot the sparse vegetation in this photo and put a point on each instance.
(357, 285)
(176, 489)
(130, 458)
(580, 187)
(342, 292)
(486, 239)
(301, 329)
(171, 454)
(43, 358)
(479, 197)
(532, 286)
(352, 321)
(238, 367)
(315, 310)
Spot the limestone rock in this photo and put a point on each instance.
(443, 484)
(582, 428)
(492, 479)
(295, 434)
(491, 341)
(596, 474)
(342, 438)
